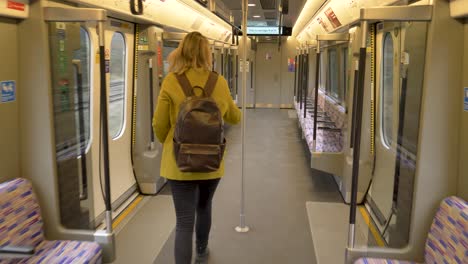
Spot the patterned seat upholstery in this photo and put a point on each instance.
(21, 225)
(327, 140)
(447, 241)
(381, 261)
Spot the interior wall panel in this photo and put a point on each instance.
(288, 52)
(463, 173)
(9, 116)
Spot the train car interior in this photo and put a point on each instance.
(353, 144)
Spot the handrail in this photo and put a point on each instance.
(353, 113)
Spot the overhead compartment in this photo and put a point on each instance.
(185, 15)
(334, 15)
(459, 8)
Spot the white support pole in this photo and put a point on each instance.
(242, 228)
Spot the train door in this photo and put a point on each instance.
(146, 149)
(268, 84)
(380, 196)
(119, 52)
(75, 77)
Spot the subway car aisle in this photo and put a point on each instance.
(279, 182)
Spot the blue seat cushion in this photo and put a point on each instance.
(381, 261)
(62, 252)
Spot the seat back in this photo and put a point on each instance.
(447, 241)
(20, 217)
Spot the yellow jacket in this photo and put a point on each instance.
(165, 116)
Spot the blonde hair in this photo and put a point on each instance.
(193, 52)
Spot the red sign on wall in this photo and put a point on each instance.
(15, 5)
(332, 17)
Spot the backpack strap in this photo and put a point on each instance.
(211, 83)
(185, 84)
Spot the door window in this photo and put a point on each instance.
(333, 74)
(81, 61)
(117, 84)
(387, 91)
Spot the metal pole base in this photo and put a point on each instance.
(244, 229)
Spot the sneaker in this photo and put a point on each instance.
(202, 255)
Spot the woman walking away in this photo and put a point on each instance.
(192, 105)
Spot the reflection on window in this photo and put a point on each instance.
(333, 74)
(387, 91)
(167, 49)
(117, 84)
(81, 63)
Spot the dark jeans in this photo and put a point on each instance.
(190, 197)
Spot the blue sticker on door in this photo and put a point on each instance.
(8, 91)
(466, 99)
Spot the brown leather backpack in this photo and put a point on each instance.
(199, 133)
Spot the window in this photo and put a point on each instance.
(344, 72)
(387, 90)
(81, 62)
(323, 72)
(117, 84)
(333, 74)
(167, 50)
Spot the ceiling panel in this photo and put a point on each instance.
(268, 4)
(272, 23)
(271, 14)
(267, 10)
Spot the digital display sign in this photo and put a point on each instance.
(263, 31)
(268, 31)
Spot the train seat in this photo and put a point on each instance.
(21, 227)
(329, 133)
(447, 241)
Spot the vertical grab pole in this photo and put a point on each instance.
(299, 65)
(295, 76)
(317, 75)
(151, 92)
(306, 79)
(213, 56)
(243, 228)
(237, 73)
(357, 133)
(301, 75)
(104, 128)
(222, 60)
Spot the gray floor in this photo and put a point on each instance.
(148, 228)
(279, 183)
